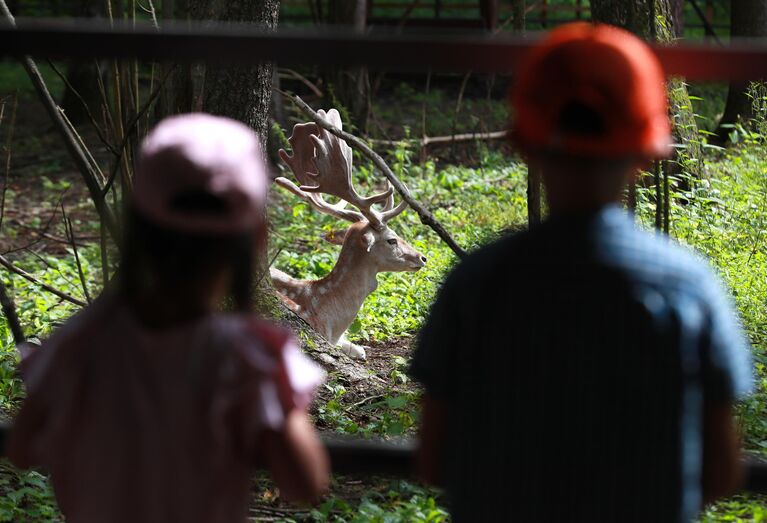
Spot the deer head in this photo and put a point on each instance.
(322, 164)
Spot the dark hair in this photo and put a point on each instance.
(153, 256)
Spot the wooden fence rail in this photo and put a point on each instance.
(479, 53)
(350, 455)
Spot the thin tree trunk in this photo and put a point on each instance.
(748, 20)
(518, 8)
(82, 86)
(489, 12)
(677, 15)
(351, 85)
(653, 20)
(533, 176)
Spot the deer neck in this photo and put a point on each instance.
(344, 290)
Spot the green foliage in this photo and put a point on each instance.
(724, 218)
(40, 311)
(26, 496)
(390, 414)
(739, 509)
(403, 503)
(474, 204)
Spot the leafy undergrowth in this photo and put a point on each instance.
(25, 496)
(739, 509)
(725, 219)
(354, 499)
(474, 204)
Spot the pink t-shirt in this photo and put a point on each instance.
(156, 425)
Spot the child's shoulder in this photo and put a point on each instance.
(261, 349)
(252, 329)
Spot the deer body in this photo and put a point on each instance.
(369, 246)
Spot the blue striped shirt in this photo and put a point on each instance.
(576, 360)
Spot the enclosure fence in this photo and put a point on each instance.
(480, 53)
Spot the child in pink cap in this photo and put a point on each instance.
(151, 405)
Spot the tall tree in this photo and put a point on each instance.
(518, 8)
(243, 93)
(748, 20)
(677, 14)
(351, 84)
(82, 92)
(653, 20)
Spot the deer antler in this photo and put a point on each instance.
(322, 163)
(302, 163)
(389, 211)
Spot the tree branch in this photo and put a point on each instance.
(427, 218)
(9, 310)
(24, 274)
(78, 155)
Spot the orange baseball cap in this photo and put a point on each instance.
(598, 75)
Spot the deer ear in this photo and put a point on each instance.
(336, 237)
(367, 241)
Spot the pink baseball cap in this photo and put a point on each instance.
(199, 173)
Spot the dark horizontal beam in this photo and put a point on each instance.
(476, 52)
(350, 455)
(357, 456)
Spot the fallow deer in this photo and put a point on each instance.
(322, 164)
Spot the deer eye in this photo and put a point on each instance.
(392, 241)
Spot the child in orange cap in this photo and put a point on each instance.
(584, 371)
(152, 405)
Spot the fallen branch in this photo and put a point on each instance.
(24, 274)
(427, 218)
(431, 140)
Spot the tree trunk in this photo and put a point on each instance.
(82, 92)
(489, 12)
(677, 15)
(748, 20)
(518, 12)
(351, 85)
(653, 20)
(244, 93)
(518, 8)
(177, 95)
